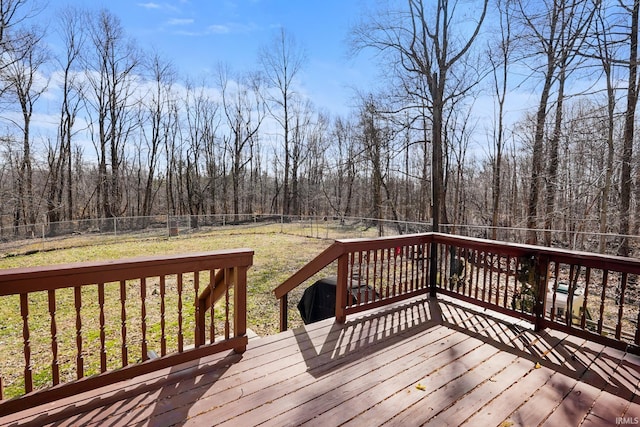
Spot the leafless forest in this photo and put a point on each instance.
(443, 139)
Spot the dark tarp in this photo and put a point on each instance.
(318, 301)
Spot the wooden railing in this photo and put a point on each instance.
(588, 295)
(90, 324)
(370, 273)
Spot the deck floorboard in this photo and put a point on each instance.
(420, 362)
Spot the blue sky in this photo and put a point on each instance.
(196, 35)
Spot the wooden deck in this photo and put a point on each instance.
(418, 362)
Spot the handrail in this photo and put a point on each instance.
(86, 320)
(325, 258)
(589, 295)
(343, 251)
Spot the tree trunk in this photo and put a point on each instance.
(629, 127)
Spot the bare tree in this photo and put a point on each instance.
(15, 40)
(426, 42)
(629, 128)
(60, 198)
(110, 74)
(27, 85)
(604, 50)
(244, 111)
(281, 61)
(158, 116)
(554, 30)
(343, 158)
(500, 57)
(202, 120)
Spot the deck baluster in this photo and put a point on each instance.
(380, 275)
(636, 339)
(605, 282)
(123, 323)
(492, 268)
(103, 347)
(180, 332)
(555, 290)
(226, 285)
(568, 315)
(477, 268)
(408, 273)
(163, 321)
(366, 282)
(422, 265)
(413, 250)
(375, 275)
(507, 277)
(623, 291)
(24, 312)
(390, 285)
(212, 328)
(489, 267)
(77, 295)
(462, 280)
(198, 332)
(55, 367)
(541, 279)
(484, 276)
(143, 317)
(583, 314)
(394, 276)
(350, 299)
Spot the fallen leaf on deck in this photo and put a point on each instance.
(420, 387)
(538, 365)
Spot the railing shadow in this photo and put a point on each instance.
(160, 401)
(594, 364)
(568, 361)
(364, 335)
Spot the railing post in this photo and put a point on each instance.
(341, 288)
(284, 312)
(433, 269)
(541, 272)
(240, 305)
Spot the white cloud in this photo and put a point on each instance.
(178, 21)
(219, 29)
(150, 5)
(232, 27)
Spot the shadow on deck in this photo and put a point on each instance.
(418, 362)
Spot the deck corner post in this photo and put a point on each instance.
(240, 304)
(341, 288)
(433, 269)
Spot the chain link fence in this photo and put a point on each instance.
(42, 236)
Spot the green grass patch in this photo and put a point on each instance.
(277, 257)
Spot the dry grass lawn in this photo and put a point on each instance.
(277, 256)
